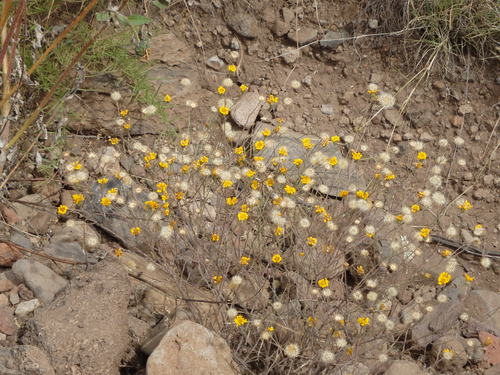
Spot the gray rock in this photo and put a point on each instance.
(474, 350)
(24, 308)
(375, 77)
(335, 178)
(307, 81)
(243, 24)
(288, 14)
(481, 193)
(426, 137)
(352, 369)
(327, 109)
(465, 109)
(235, 44)
(44, 282)
(303, 35)
(189, 348)
(404, 367)
(483, 307)
(36, 221)
(25, 360)
(290, 55)
(333, 39)
(87, 327)
(246, 109)
(458, 358)
(215, 62)
(394, 117)
(280, 28)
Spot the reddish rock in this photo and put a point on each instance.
(8, 254)
(491, 345)
(6, 285)
(7, 324)
(9, 215)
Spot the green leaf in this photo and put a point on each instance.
(137, 20)
(159, 4)
(102, 16)
(122, 19)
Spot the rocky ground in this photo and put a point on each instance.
(304, 209)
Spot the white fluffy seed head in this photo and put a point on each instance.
(327, 356)
(292, 350)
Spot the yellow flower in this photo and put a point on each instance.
(362, 194)
(421, 194)
(221, 90)
(390, 177)
(399, 217)
(266, 132)
(332, 161)
(335, 138)
(446, 253)
(244, 260)
(306, 142)
(243, 88)
(323, 283)
(283, 151)
(167, 98)
(444, 278)
(244, 208)
(343, 193)
(127, 125)
(363, 321)
(152, 205)
(224, 110)
(311, 321)
(238, 150)
(240, 320)
(360, 270)
(468, 277)
(290, 189)
(114, 141)
(421, 155)
(424, 232)
(259, 145)
(216, 279)
(76, 166)
(62, 209)
(215, 237)
(227, 183)
(465, 206)
(415, 208)
(305, 180)
(356, 155)
(161, 187)
(150, 156)
(277, 258)
(179, 195)
(231, 201)
(105, 201)
(102, 180)
(184, 142)
(270, 329)
(312, 241)
(78, 198)
(255, 185)
(298, 162)
(269, 182)
(419, 165)
(118, 252)
(135, 231)
(124, 112)
(112, 191)
(272, 99)
(250, 173)
(242, 216)
(278, 231)
(231, 68)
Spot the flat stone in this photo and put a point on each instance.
(7, 323)
(189, 348)
(394, 117)
(335, 178)
(465, 109)
(243, 24)
(44, 282)
(37, 221)
(25, 360)
(215, 62)
(24, 308)
(483, 307)
(333, 39)
(327, 109)
(280, 28)
(303, 35)
(246, 109)
(87, 326)
(454, 343)
(4, 300)
(404, 367)
(290, 55)
(6, 285)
